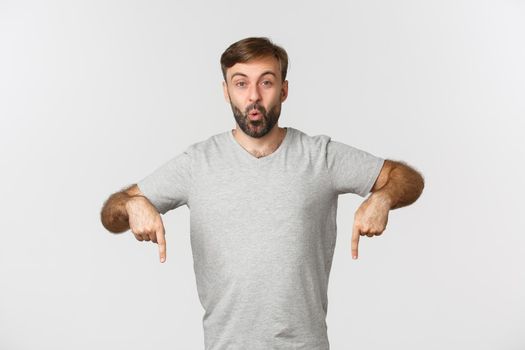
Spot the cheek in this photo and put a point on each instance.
(234, 99)
(239, 104)
(273, 99)
(239, 98)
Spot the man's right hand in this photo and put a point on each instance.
(145, 223)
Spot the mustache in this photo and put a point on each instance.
(256, 106)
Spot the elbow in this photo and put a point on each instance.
(419, 184)
(113, 220)
(414, 180)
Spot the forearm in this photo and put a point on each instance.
(404, 186)
(114, 215)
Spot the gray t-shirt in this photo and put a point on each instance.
(263, 232)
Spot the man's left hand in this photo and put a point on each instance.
(370, 219)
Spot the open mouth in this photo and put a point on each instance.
(255, 115)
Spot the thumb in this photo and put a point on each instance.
(355, 241)
(161, 240)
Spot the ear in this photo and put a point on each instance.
(284, 91)
(225, 91)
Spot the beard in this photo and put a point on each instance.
(256, 128)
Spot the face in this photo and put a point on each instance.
(255, 92)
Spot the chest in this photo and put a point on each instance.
(265, 196)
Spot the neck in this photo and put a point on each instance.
(263, 146)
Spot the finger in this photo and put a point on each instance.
(355, 241)
(162, 243)
(153, 237)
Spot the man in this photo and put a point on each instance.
(263, 202)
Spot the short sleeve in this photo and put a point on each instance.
(168, 186)
(351, 169)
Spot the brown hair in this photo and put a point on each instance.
(251, 48)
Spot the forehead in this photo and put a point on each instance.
(254, 68)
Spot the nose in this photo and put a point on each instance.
(254, 94)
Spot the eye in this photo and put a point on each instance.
(266, 83)
(240, 84)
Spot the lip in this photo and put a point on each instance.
(255, 115)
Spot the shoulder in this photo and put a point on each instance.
(315, 142)
(326, 145)
(208, 148)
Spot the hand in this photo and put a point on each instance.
(146, 224)
(370, 219)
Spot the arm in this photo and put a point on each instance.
(396, 186)
(114, 215)
(131, 209)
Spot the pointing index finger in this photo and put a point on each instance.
(355, 241)
(162, 243)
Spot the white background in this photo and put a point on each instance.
(95, 95)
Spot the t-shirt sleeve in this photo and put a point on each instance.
(351, 169)
(168, 186)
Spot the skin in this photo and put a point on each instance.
(257, 85)
(397, 185)
(129, 209)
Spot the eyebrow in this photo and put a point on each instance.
(244, 75)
